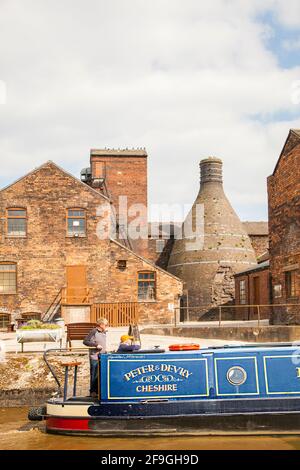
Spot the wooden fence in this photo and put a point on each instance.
(118, 314)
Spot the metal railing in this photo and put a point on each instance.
(254, 312)
(59, 370)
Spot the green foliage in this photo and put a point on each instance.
(38, 325)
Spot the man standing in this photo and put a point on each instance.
(96, 339)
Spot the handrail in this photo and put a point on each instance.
(75, 295)
(53, 304)
(66, 350)
(219, 308)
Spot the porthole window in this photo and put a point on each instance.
(236, 375)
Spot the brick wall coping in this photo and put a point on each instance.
(146, 260)
(50, 163)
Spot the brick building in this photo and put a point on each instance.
(121, 175)
(252, 287)
(276, 280)
(49, 247)
(284, 224)
(259, 236)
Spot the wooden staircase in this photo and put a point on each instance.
(54, 309)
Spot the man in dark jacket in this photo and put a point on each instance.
(96, 339)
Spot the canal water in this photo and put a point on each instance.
(16, 433)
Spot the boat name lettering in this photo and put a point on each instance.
(150, 368)
(156, 388)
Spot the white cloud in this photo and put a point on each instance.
(180, 78)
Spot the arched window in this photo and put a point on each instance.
(146, 285)
(16, 222)
(76, 222)
(8, 278)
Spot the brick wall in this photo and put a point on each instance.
(123, 285)
(160, 258)
(126, 175)
(43, 255)
(260, 244)
(263, 279)
(284, 223)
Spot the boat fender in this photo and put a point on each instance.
(37, 413)
(184, 347)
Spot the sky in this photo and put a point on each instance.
(184, 79)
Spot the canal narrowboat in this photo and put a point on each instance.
(236, 390)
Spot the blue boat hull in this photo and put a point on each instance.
(198, 408)
(213, 391)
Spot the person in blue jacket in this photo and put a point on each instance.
(127, 344)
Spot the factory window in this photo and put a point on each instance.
(146, 286)
(290, 284)
(122, 264)
(4, 320)
(277, 291)
(16, 222)
(76, 223)
(8, 278)
(243, 297)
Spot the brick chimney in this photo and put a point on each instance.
(211, 171)
(123, 172)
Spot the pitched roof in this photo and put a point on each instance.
(288, 145)
(264, 257)
(145, 260)
(256, 228)
(258, 267)
(49, 162)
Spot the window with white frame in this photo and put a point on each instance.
(243, 293)
(76, 222)
(16, 222)
(8, 278)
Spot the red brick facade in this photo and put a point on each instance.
(259, 236)
(284, 224)
(125, 175)
(252, 287)
(42, 256)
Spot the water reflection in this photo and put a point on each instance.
(17, 433)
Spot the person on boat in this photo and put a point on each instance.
(127, 344)
(96, 339)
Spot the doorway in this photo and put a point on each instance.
(77, 289)
(256, 296)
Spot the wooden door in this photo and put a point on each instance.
(76, 276)
(76, 285)
(256, 291)
(255, 298)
